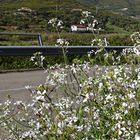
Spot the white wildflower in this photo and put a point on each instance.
(62, 42)
(86, 14)
(55, 22)
(137, 137)
(28, 87)
(82, 21)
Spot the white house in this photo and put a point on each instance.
(78, 28)
(84, 28)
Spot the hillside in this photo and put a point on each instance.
(36, 4)
(130, 7)
(36, 13)
(33, 15)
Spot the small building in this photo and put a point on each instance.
(79, 28)
(84, 28)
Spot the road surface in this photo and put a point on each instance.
(14, 83)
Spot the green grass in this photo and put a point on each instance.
(115, 28)
(76, 39)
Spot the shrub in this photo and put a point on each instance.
(93, 102)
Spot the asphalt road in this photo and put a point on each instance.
(14, 83)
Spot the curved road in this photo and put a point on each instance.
(14, 83)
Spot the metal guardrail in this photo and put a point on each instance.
(48, 50)
(52, 50)
(38, 35)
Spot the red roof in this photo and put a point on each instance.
(81, 26)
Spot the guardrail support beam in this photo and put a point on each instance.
(53, 50)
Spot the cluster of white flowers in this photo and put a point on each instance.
(83, 21)
(56, 76)
(62, 42)
(90, 21)
(93, 24)
(56, 23)
(93, 102)
(86, 14)
(105, 106)
(136, 39)
(38, 59)
(99, 42)
(131, 51)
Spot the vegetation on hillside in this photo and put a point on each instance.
(35, 15)
(127, 7)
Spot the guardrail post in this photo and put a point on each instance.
(40, 42)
